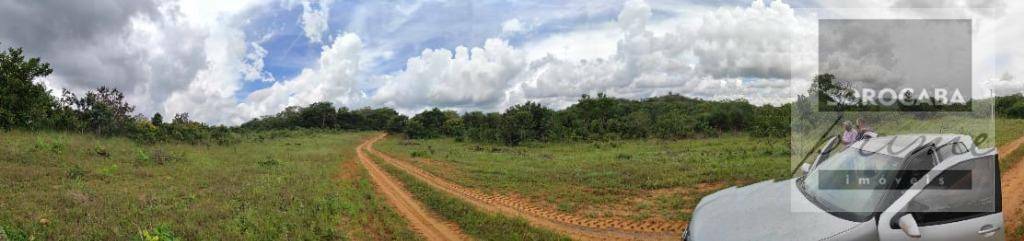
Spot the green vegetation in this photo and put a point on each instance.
(1010, 106)
(602, 118)
(297, 187)
(478, 224)
(637, 178)
(1008, 130)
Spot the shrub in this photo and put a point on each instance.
(160, 233)
(141, 156)
(108, 171)
(269, 162)
(75, 172)
(101, 151)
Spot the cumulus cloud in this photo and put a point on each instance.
(1006, 85)
(196, 56)
(253, 69)
(733, 53)
(147, 50)
(314, 19)
(760, 41)
(332, 79)
(469, 78)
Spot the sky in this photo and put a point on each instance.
(226, 62)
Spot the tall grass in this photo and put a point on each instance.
(56, 186)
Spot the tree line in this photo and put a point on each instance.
(26, 104)
(592, 118)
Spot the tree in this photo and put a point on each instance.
(429, 123)
(157, 119)
(319, 115)
(530, 121)
(23, 102)
(104, 111)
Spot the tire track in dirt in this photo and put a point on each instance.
(1013, 188)
(576, 227)
(421, 220)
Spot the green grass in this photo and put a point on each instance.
(1008, 130)
(636, 179)
(478, 224)
(56, 186)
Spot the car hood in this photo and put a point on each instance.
(763, 211)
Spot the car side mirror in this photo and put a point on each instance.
(909, 226)
(805, 168)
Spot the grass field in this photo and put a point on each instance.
(304, 185)
(637, 180)
(64, 186)
(1008, 130)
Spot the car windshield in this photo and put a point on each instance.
(868, 175)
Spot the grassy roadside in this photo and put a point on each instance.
(1008, 130)
(58, 186)
(478, 224)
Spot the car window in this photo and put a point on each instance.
(964, 191)
(923, 160)
(917, 166)
(952, 149)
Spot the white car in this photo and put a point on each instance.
(942, 203)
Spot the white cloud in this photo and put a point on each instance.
(759, 41)
(209, 95)
(314, 19)
(512, 26)
(635, 63)
(468, 78)
(194, 56)
(587, 43)
(253, 69)
(729, 47)
(333, 79)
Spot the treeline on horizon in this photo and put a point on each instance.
(602, 117)
(25, 104)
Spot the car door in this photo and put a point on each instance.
(960, 201)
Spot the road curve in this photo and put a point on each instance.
(421, 220)
(578, 228)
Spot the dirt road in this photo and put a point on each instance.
(1013, 188)
(578, 228)
(421, 220)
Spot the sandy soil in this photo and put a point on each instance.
(421, 220)
(1013, 188)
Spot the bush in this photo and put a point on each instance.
(75, 172)
(160, 233)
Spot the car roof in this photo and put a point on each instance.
(903, 145)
